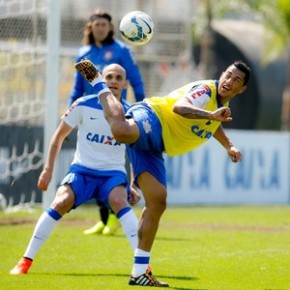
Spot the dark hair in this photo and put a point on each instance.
(88, 37)
(244, 68)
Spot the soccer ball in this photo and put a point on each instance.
(136, 28)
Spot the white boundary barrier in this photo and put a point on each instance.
(207, 176)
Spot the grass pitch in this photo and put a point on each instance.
(197, 248)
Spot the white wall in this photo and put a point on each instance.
(207, 176)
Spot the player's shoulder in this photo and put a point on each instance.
(182, 90)
(122, 44)
(203, 87)
(91, 101)
(202, 83)
(84, 50)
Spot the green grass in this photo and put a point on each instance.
(218, 248)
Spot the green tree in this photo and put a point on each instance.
(274, 15)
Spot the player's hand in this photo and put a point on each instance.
(44, 179)
(222, 114)
(134, 196)
(235, 154)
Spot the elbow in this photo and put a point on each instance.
(176, 109)
(121, 132)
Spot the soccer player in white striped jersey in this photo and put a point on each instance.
(97, 170)
(174, 124)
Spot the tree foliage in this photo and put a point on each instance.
(274, 15)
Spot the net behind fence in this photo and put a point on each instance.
(23, 55)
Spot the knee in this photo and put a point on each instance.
(122, 132)
(158, 205)
(118, 133)
(117, 202)
(63, 201)
(162, 205)
(61, 206)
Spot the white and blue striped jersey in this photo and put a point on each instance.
(96, 146)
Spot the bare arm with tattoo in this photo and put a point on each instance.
(185, 109)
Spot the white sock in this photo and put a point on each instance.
(97, 80)
(100, 85)
(129, 224)
(141, 262)
(42, 230)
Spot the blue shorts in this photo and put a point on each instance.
(146, 154)
(87, 183)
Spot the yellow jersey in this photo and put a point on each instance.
(181, 135)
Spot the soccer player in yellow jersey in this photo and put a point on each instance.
(174, 124)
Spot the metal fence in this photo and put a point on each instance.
(23, 67)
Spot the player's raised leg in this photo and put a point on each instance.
(124, 131)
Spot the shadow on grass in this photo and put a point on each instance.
(161, 277)
(171, 239)
(178, 288)
(184, 278)
(117, 236)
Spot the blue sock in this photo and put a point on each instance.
(53, 213)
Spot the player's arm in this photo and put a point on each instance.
(185, 108)
(234, 153)
(134, 196)
(55, 145)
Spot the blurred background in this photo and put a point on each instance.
(193, 39)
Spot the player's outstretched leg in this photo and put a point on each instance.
(112, 107)
(146, 279)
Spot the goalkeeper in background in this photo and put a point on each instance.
(97, 170)
(103, 48)
(174, 124)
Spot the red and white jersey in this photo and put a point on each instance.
(96, 146)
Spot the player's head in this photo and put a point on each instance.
(115, 78)
(234, 80)
(243, 68)
(99, 28)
